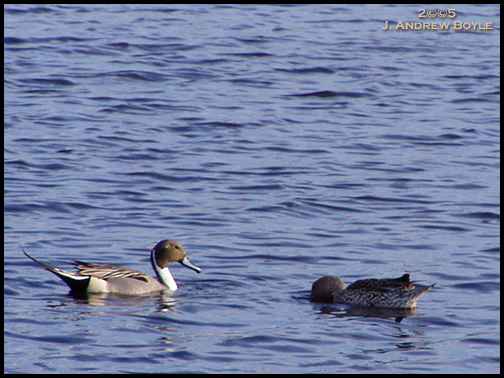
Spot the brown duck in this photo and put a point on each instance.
(388, 292)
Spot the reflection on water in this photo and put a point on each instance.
(164, 299)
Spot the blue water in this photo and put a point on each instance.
(278, 144)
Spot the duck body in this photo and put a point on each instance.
(388, 292)
(105, 278)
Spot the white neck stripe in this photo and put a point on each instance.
(163, 274)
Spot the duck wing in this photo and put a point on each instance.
(382, 285)
(106, 271)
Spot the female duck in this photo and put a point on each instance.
(104, 278)
(388, 292)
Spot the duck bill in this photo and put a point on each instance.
(185, 261)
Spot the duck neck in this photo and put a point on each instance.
(163, 274)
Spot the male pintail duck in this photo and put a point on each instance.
(388, 292)
(104, 278)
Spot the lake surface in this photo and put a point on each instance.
(278, 144)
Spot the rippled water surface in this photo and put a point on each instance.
(278, 144)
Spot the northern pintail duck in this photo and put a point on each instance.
(388, 292)
(104, 278)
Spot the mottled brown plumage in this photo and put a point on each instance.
(388, 292)
(382, 285)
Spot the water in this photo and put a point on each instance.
(277, 144)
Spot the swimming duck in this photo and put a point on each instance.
(104, 278)
(388, 292)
